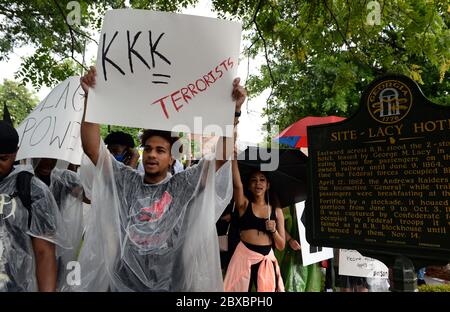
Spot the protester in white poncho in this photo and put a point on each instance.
(153, 232)
(27, 236)
(66, 188)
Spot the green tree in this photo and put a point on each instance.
(134, 132)
(320, 55)
(59, 30)
(18, 98)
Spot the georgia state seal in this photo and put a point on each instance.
(389, 101)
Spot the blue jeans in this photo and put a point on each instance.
(421, 273)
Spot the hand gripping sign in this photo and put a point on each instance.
(159, 70)
(310, 254)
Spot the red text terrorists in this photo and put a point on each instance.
(184, 95)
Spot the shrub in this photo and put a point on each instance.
(434, 288)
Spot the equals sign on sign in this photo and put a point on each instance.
(159, 78)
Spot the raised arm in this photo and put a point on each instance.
(90, 132)
(225, 145)
(240, 200)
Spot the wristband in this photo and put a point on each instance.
(237, 114)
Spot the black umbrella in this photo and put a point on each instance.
(287, 176)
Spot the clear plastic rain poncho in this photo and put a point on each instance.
(66, 188)
(86, 174)
(153, 237)
(17, 260)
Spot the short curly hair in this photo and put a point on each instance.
(170, 137)
(119, 137)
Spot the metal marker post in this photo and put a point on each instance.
(404, 278)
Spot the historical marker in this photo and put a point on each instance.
(380, 180)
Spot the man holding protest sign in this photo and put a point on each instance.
(29, 223)
(157, 232)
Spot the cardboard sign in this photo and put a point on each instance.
(352, 263)
(310, 254)
(159, 70)
(52, 130)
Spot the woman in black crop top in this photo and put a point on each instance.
(261, 227)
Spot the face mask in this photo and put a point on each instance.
(119, 157)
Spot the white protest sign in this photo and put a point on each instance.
(159, 70)
(310, 254)
(52, 130)
(352, 263)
